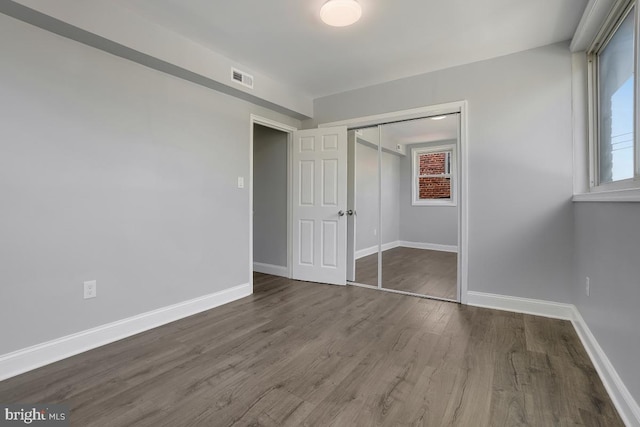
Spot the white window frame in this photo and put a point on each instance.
(415, 170)
(608, 29)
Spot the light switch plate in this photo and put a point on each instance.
(240, 182)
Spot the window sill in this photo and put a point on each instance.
(627, 195)
(423, 204)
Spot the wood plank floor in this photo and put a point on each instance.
(299, 353)
(424, 272)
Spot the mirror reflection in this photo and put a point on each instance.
(419, 206)
(362, 226)
(403, 188)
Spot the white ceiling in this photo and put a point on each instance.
(422, 130)
(285, 39)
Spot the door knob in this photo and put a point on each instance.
(350, 212)
(340, 213)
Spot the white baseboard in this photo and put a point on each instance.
(521, 305)
(366, 252)
(402, 243)
(625, 403)
(275, 270)
(620, 396)
(429, 246)
(39, 355)
(373, 249)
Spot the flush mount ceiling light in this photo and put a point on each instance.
(340, 13)
(438, 117)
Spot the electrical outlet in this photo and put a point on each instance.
(375, 232)
(588, 286)
(90, 289)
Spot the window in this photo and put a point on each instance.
(434, 176)
(614, 145)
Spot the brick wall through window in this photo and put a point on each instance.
(433, 187)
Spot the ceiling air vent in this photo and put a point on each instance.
(242, 78)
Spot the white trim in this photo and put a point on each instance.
(361, 253)
(594, 15)
(463, 203)
(628, 184)
(627, 407)
(580, 122)
(274, 270)
(251, 123)
(362, 285)
(39, 355)
(414, 113)
(413, 294)
(366, 252)
(461, 107)
(253, 120)
(395, 291)
(429, 246)
(629, 195)
(272, 124)
(415, 152)
(379, 206)
(390, 245)
(617, 12)
(536, 307)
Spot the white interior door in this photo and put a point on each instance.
(319, 205)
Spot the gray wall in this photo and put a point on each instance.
(607, 244)
(390, 187)
(115, 172)
(425, 224)
(367, 197)
(269, 196)
(520, 157)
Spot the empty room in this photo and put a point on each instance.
(319, 213)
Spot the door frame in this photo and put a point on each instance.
(262, 121)
(461, 107)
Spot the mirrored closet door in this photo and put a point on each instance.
(363, 202)
(413, 197)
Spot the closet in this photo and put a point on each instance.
(403, 207)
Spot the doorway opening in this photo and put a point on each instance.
(270, 201)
